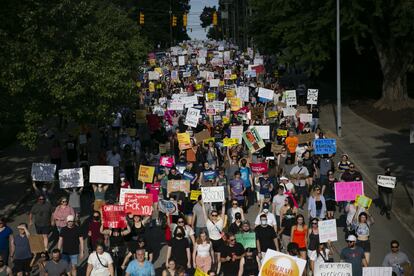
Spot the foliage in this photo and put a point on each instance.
(206, 18)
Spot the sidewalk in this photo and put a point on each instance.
(372, 149)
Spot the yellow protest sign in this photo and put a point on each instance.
(151, 86)
(235, 104)
(363, 201)
(138, 83)
(199, 272)
(228, 142)
(158, 70)
(231, 93)
(221, 83)
(208, 140)
(198, 86)
(195, 194)
(211, 96)
(233, 77)
(282, 132)
(272, 114)
(183, 138)
(146, 173)
(226, 120)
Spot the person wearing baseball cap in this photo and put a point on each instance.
(271, 220)
(354, 255)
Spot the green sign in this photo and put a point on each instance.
(248, 240)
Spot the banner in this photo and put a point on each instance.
(237, 132)
(324, 146)
(259, 167)
(325, 269)
(290, 97)
(264, 131)
(386, 181)
(146, 173)
(306, 138)
(71, 178)
(43, 172)
(266, 93)
(168, 207)
(363, 201)
(248, 240)
(275, 261)
(212, 194)
(305, 117)
(125, 191)
(138, 204)
(229, 142)
(377, 271)
(347, 191)
(195, 194)
(312, 96)
(101, 174)
(253, 140)
(113, 216)
(327, 230)
(166, 161)
(192, 117)
(178, 186)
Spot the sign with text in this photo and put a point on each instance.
(192, 117)
(146, 173)
(305, 117)
(178, 186)
(125, 191)
(386, 181)
(275, 261)
(71, 178)
(259, 167)
(290, 97)
(166, 161)
(253, 140)
(138, 204)
(327, 230)
(248, 240)
(377, 271)
(212, 194)
(243, 93)
(101, 174)
(113, 216)
(347, 191)
(325, 269)
(195, 194)
(202, 135)
(312, 97)
(168, 207)
(266, 93)
(43, 172)
(324, 146)
(229, 142)
(36, 243)
(363, 201)
(237, 132)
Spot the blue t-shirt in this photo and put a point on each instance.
(354, 256)
(4, 238)
(245, 176)
(265, 185)
(134, 269)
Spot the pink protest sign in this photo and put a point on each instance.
(347, 191)
(259, 167)
(166, 161)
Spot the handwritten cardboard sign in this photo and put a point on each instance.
(306, 138)
(347, 191)
(138, 204)
(146, 173)
(386, 181)
(178, 186)
(101, 174)
(71, 178)
(212, 194)
(43, 172)
(113, 216)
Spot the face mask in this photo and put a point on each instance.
(44, 189)
(265, 211)
(179, 235)
(263, 221)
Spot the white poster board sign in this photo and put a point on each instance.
(181, 60)
(312, 96)
(324, 269)
(176, 104)
(212, 194)
(327, 230)
(227, 74)
(219, 106)
(305, 117)
(201, 60)
(71, 178)
(243, 93)
(152, 75)
(386, 181)
(288, 111)
(214, 82)
(192, 116)
(129, 191)
(290, 97)
(264, 131)
(377, 271)
(101, 174)
(275, 261)
(237, 132)
(43, 172)
(266, 93)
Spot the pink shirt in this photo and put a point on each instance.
(60, 215)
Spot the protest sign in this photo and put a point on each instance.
(151, 87)
(166, 161)
(36, 243)
(178, 186)
(275, 261)
(377, 271)
(257, 113)
(235, 104)
(181, 60)
(386, 181)
(276, 148)
(306, 138)
(183, 138)
(324, 146)
(290, 97)
(124, 191)
(176, 104)
(212, 194)
(202, 135)
(214, 82)
(327, 230)
(192, 117)
(325, 269)
(248, 240)
(219, 106)
(347, 191)
(43, 172)
(138, 204)
(259, 167)
(174, 75)
(146, 173)
(271, 113)
(253, 140)
(168, 207)
(243, 93)
(229, 142)
(312, 97)
(113, 216)
(302, 109)
(266, 93)
(101, 174)
(288, 111)
(141, 116)
(305, 117)
(71, 178)
(227, 74)
(209, 175)
(363, 201)
(211, 96)
(237, 132)
(195, 194)
(199, 272)
(264, 131)
(281, 132)
(201, 60)
(152, 75)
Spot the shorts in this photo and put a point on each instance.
(22, 265)
(71, 259)
(366, 245)
(42, 230)
(331, 205)
(301, 190)
(217, 244)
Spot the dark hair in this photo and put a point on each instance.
(56, 250)
(263, 216)
(179, 228)
(362, 214)
(293, 248)
(395, 242)
(237, 173)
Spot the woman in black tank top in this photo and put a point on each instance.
(249, 264)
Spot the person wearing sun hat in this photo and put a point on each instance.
(354, 255)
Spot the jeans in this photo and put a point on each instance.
(315, 124)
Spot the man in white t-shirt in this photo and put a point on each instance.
(100, 263)
(271, 220)
(277, 202)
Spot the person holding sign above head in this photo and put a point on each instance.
(362, 231)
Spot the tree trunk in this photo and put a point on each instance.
(394, 66)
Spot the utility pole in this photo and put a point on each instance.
(338, 71)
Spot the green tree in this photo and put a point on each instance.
(206, 18)
(70, 59)
(303, 32)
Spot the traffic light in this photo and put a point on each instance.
(215, 19)
(174, 21)
(141, 18)
(184, 20)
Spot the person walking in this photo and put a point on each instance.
(62, 211)
(140, 266)
(385, 195)
(100, 263)
(354, 255)
(6, 240)
(230, 256)
(42, 212)
(57, 266)
(266, 237)
(4, 269)
(20, 251)
(203, 255)
(398, 260)
(179, 249)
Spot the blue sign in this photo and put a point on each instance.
(324, 146)
(209, 175)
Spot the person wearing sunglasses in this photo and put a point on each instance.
(355, 255)
(397, 260)
(352, 174)
(317, 204)
(230, 256)
(62, 211)
(42, 212)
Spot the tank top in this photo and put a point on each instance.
(137, 231)
(362, 229)
(250, 267)
(99, 195)
(313, 241)
(203, 250)
(299, 237)
(288, 221)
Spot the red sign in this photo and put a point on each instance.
(138, 204)
(259, 167)
(166, 161)
(114, 216)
